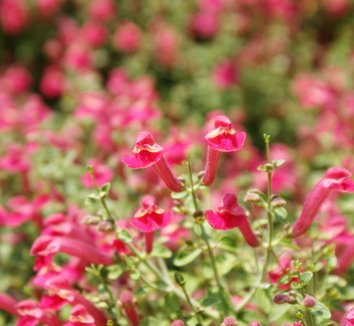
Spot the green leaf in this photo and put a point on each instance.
(321, 311)
(134, 274)
(210, 301)
(306, 278)
(263, 300)
(106, 188)
(161, 251)
(186, 255)
(114, 271)
(179, 195)
(172, 302)
(227, 243)
(277, 163)
(280, 214)
(125, 236)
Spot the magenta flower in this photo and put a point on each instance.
(147, 153)
(7, 304)
(223, 138)
(49, 246)
(128, 303)
(149, 219)
(231, 215)
(334, 179)
(348, 319)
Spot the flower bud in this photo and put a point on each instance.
(91, 220)
(179, 279)
(280, 299)
(278, 202)
(252, 196)
(229, 321)
(178, 322)
(309, 301)
(105, 226)
(255, 323)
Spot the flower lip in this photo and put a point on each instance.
(224, 137)
(145, 153)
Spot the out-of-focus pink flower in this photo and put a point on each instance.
(53, 49)
(150, 218)
(167, 43)
(52, 83)
(101, 173)
(17, 79)
(348, 319)
(128, 303)
(148, 153)
(229, 321)
(312, 92)
(231, 215)
(335, 179)
(336, 7)
(223, 138)
(204, 24)
(103, 10)
(7, 304)
(14, 16)
(49, 246)
(78, 57)
(225, 74)
(94, 33)
(118, 82)
(48, 8)
(178, 322)
(255, 323)
(127, 37)
(80, 317)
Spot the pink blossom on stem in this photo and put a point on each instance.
(147, 153)
(149, 219)
(231, 215)
(223, 138)
(335, 179)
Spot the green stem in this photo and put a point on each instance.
(200, 320)
(269, 249)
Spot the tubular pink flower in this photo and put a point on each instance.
(127, 301)
(147, 153)
(346, 258)
(231, 215)
(80, 316)
(334, 179)
(223, 138)
(47, 245)
(149, 219)
(7, 303)
(59, 287)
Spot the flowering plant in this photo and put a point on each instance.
(127, 199)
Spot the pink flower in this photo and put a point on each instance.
(52, 83)
(231, 215)
(149, 219)
(229, 321)
(128, 303)
(147, 153)
(94, 33)
(80, 317)
(101, 173)
(48, 8)
(225, 75)
(127, 37)
(204, 24)
(223, 138)
(102, 10)
(17, 79)
(178, 322)
(7, 304)
(14, 16)
(255, 323)
(348, 319)
(49, 246)
(335, 179)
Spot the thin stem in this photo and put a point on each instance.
(269, 251)
(204, 237)
(102, 199)
(200, 320)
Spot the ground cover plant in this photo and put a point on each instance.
(176, 162)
